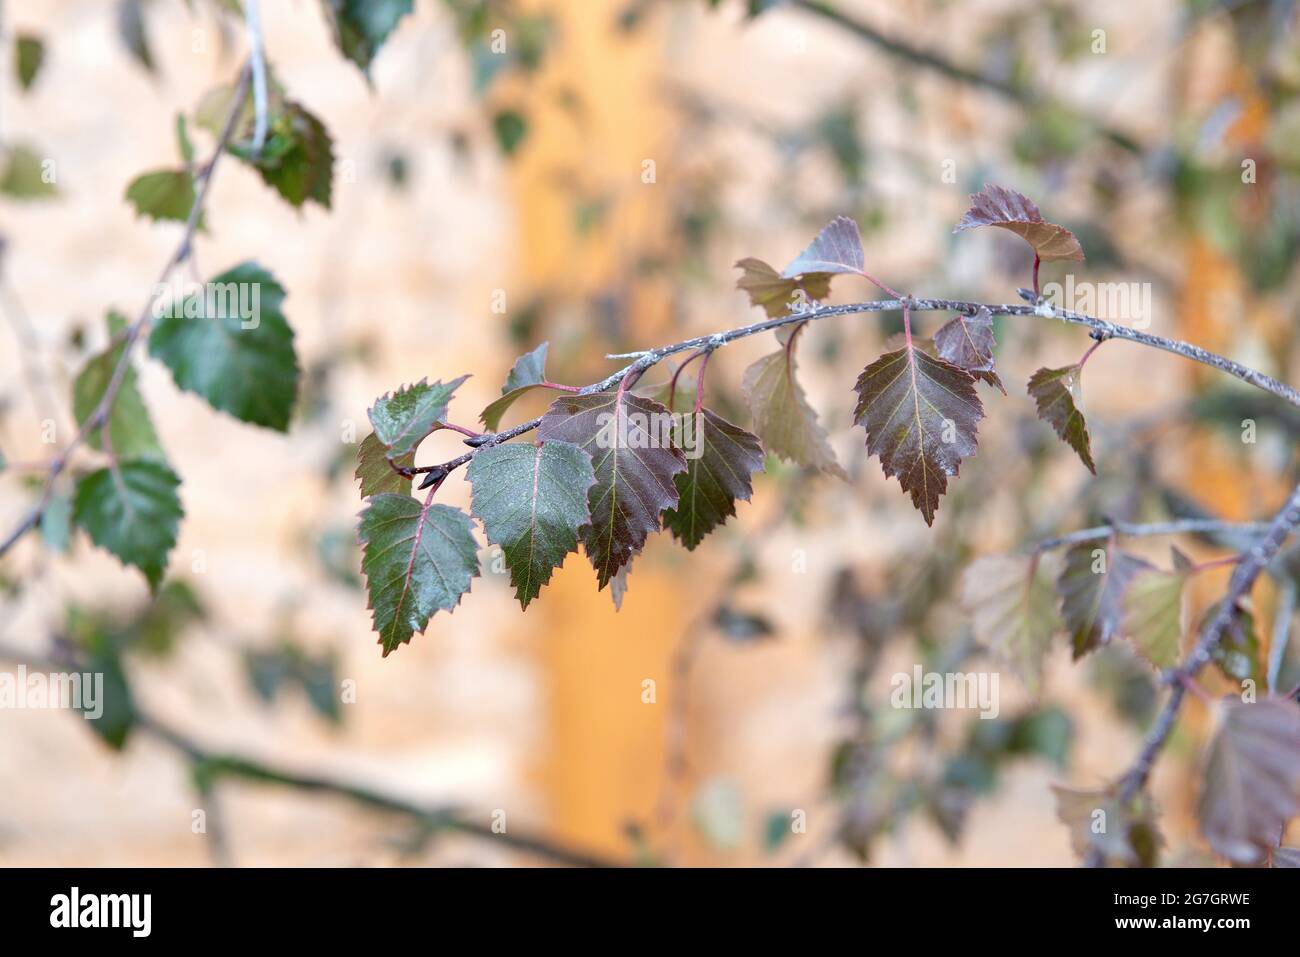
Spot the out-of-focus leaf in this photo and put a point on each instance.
(25, 174)
(1009, 210)
(783, 418)
(29, 54)
(1250, 783)
(130, 429)
(1153, 614)
(297, 159)
(56, 522)
(718, 812)
(1124, 835)
(162, 194)
(155, 630)
(1012, 605)
(1238, 654)
(1091, 589)
(132, 510)
(511, 129)
(113, 716)
(360, 27)
(740, 625)
(130, 28)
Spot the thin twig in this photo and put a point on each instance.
(214, 765)
(1182, 526)
(645, 359)
(257, 57)
(100, 415)
(912, 55)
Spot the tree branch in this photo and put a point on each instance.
(182, 252)
(913, 55)
(1182, 526)
(1101, 328)
(1253, 562)
(212, 766)
(919, 56)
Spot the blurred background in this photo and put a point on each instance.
(467, 178)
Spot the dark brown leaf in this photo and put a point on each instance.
(967, 342)
(721, 457)
(1057, 393)
(920, 415)
(1251, 781)
(837, 249)
(629, 439)
(1007, 209)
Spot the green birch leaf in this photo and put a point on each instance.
(920, 415)
(163, 194)
(774, 293)
(130, 29)
(360, 27)
(233, 347)
(418, 560)
(297, 156)
(1091, 589)
(1013, 610)
(1057, 393)
(403, 419)
(375, 472)
(1153, 614)
(1250, 784)
(629, 439)
(29, 54)
(183, 144)
(511, 129)
(130, 430)
(783, 419)
(528, 372)
(131, 510)
(720, 458)
(532, 499)
(967, 342)
(56, 522)
(24, 175)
